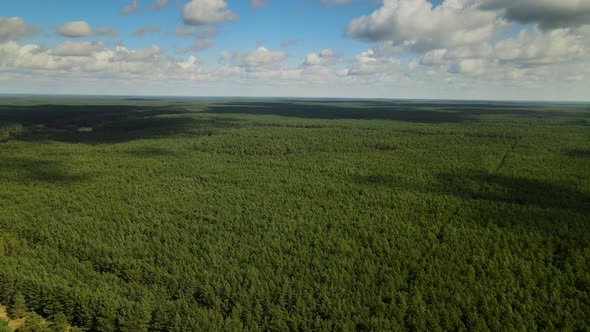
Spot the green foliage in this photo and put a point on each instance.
(188, 215)
(9, 243)
(18, 306)
(34, 323)
(10, 131)
(58, 322)
(4, 326)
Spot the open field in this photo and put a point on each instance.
(207, 214)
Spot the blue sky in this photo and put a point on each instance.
(287, 19)
(466, 49)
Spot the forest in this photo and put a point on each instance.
(179, 214)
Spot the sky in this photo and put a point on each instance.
(417, 49)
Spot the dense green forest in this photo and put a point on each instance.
(294, 215)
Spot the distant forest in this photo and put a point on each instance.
(293, 215)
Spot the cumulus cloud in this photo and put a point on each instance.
(102, 31)
(75, 29)
(159, 4)
(321, 67)
(372, 71)
(130, 8)
(201, 12)
(324, 57)
(465, 39)
(537, 47)
(202, 39)
(183, 32)
(469, 67)
(28, 58)
(549, 14)
(191, 62)
(529, 48)
(372, 62)
(143, 30)
(82, 49)
(207, 32)
(253, 60)
(15, 28)
(149, 54)
(86, 59)
(444, 57)
(435, 57)
(420, 26)
(199, 44)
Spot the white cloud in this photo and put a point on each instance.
(484, 50)
(529, 48)
(130, 8)
(253, 60)
(95, 61)
(202, 39)
(27, 58)
(207, 32)
(413, 64)
(435, 57)
(462, 40)
(541, 48)
(15, 28)
(69, 48)
(150, 54)
(372, 73)
(201, 12)
(101, 31)
(190, 63)
(75, 29)
(199, 44)
(420, 26)
(324, 57)
(143, 30)
(183, 32)
(371, 62)
(469, 67)
(159, 4)
(531, 56)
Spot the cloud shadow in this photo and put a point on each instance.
(405, 111)
(493, 188)
(95, 124)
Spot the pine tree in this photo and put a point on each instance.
(59, 322)
(34, 323)
(18, 307)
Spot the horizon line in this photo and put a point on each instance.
(552, 101)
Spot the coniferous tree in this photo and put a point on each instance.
(18, 307)
(34, 323)
(59, 322)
